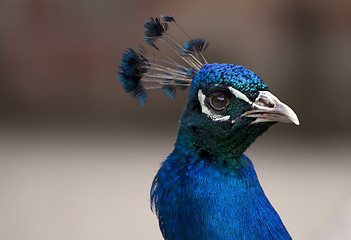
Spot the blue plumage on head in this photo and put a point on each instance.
(133, 65)
(207, 188)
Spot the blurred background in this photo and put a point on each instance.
(78, 155)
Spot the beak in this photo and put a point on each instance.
(268, 108)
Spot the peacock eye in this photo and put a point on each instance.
(218, 101)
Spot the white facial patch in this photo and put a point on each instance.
(208, 112)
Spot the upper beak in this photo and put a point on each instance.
(268, 108)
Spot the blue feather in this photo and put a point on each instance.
(234, 75)
(191, 72)
(207, 188)
(153, 29)
(196, 200)
(133, 65)
(168, 18)
(195, 45)
(170, 91)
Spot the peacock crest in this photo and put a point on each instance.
(169, 65)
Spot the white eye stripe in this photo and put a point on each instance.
(240, 95)
(258, 104)
(208, 112)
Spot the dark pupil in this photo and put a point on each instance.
(219, 102)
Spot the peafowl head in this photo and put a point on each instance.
(229, 106)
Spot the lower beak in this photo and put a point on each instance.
(268, 108)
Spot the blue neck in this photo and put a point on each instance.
(197, 198)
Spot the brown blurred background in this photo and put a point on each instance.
(77, 154)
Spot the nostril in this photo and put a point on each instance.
(264, 102)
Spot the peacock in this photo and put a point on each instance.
(207, 188)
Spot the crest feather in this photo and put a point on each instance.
(140, 71)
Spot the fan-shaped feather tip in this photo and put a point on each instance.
(153, 29)
(195, 45)
(133, 65)
(168, 18)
